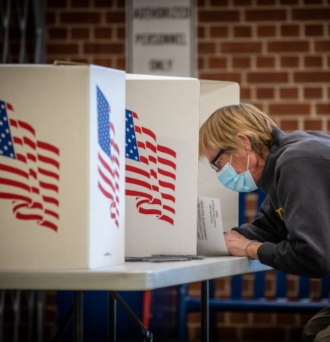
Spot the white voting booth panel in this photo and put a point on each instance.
(163, 177)
(214, 95)
(161, 164)
(62, 165)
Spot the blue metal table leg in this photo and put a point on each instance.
(78, 316)
(112, 319)
(205, 311)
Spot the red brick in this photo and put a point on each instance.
(80, 33)
(216, 63)
(315, 77)
(313, 2)
(289, 93)
(266, 31)
(265, 15)
(195, 286)
(289, 125)
(241, 47)
(328, 92)
(262, 318)
(121, 33)
(115, 17)
(289, 2)
(103, 33)
(313, 61)
(104, 3)
(265, 62)
(219, 31)
(245, 93)
(80, 18)
(267, 77)
(62, 49)
(287, 319)
(56, 4)
(265, 2)
(104, 48)
(121, 64)
(57, 33)
(243, 62)
(206, 48)
(258, 334)
(219, 2)
(201, 32)
(50, 18)
(314, 125)
(323, 108)
(295, 334)
(238, 317)
(290, 30)
(289, 62)
(288, 46)
(220, 317)
(220, 283)
(304, 318)
(322, 46)
(242, 31)
(80, 3)
(201, 3)
(311, 14)
(200, 63)
(289, 109)
(227, 333)
(328, 125)
(194, 317)
(265, 93)
(218, 16)
(313, 30)
(242, 2)
(230, 76)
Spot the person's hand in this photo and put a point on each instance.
(235, 243)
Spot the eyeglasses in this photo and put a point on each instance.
(212, 163)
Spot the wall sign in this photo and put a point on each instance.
(161, 37)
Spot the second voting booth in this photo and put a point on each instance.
(163, 175)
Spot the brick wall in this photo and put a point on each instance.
(279, 53)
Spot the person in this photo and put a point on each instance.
(292, 233)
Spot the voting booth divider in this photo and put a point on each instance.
(163, 175)
(62, 167)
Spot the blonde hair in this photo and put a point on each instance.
(221, 128)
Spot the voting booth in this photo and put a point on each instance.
(62, 167)
(163, 175)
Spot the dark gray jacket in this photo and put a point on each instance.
(294, 222)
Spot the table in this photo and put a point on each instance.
(129, 277)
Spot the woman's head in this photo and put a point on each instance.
(226, 126)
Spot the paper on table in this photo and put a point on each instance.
(210, 239)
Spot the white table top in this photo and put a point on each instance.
(130, 276)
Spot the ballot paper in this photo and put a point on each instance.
(210, 237)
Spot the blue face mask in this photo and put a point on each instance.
(242, 182)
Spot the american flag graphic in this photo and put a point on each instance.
(108, 156)
(150, 171)
(29, 171)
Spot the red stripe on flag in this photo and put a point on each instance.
(31, 157)
(115, 146)
(151, 147)
(138, 204)
(49, 225)
(19, 206)
(165, 207)
(144, 160)
(35, 190)
(117, 186)
(48, 161)
(14, 184)
(21, 216)
(141, 144)
(48, 173)
(105, 193)
(138, 194)
(153, 159)
(137, 182)
(168, 197)
(156, 201)
(167, 174)
(14, 170)
(137, 170)
(26, 126)
(17, 141)
(107, 167)
(166, 150)
(153, 173)
(13, 123)
(9, 106)
(36, 205)
(155, 188)
(137, 129)
(115, 160)
(29, 142)
(10, 196)
(112, 127)
(32, 173)
(48, 186)
(149, 211)
(52, 213)
(50, 200)
(135, 115)
(167, 162)
(108, 181)
(149, 132)
(167, 219)
(48, 147)
(166, 185)
(20, 157)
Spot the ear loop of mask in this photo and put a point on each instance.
(248, 162)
